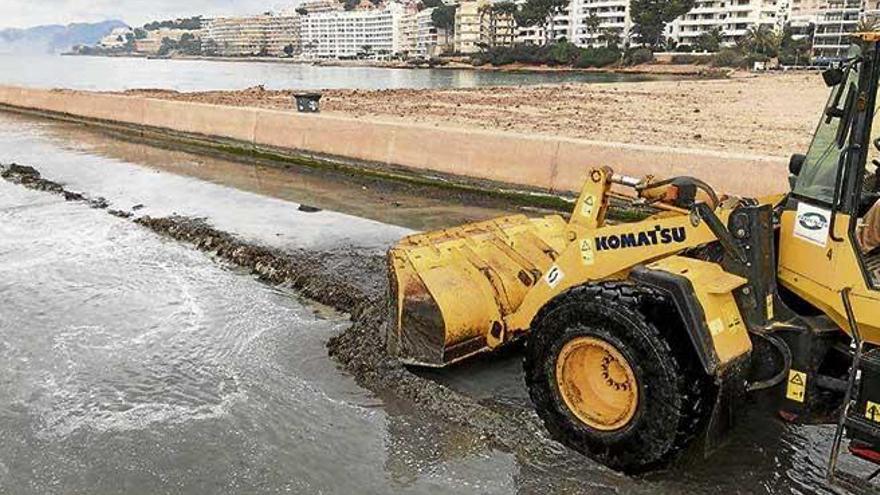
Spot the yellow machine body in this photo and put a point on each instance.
(818, 273)
(470, 289)
(684, 293)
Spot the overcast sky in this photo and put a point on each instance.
(26, 13)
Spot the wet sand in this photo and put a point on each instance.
(771, 114)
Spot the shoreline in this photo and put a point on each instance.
(656, 69)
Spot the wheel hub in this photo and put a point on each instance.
(597, 383)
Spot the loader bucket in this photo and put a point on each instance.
(452, 289)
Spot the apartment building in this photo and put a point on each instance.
(836, 20)
(733, 17)
(409, 28)
(803, 15)
(497, 24)
(804, 10)
(591, 18)
(467, 26)
(418, 35)
(257, 35)
(348, 34)
(560, 28)
(153, 42)
(429, 39)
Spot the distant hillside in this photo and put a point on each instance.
(54, 38)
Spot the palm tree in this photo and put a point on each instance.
(710, 41)
(868, 25)
(762, 40)
(610, 37)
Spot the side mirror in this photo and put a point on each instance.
(832, 77)
(796, 163)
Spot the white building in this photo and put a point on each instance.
(561, 27)
(732, 17)
(837, 18)
(419, 36)
(608, 16)
(467, 26)
(803, 15)
(116, 39)
(258, 35)
(153, 42)
(349, 34)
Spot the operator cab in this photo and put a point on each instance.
(829, 260)
(834, 184)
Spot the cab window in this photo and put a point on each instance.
(819, 173)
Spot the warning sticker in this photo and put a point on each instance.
(587, 253)
(588, 206)
(872, 411)
(797, 385)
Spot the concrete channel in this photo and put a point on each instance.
(280, 227)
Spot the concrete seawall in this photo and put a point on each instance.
(539, 162)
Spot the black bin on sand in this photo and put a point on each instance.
(307, 102)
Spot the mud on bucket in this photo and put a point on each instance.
(307, 102)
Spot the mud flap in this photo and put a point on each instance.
(731, 392)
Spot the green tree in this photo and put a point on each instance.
(191, 24)
(140, 33)
(795, 49)
(429, 4)
(611, 37)
(710, 41)
(189, 44)
(288, 50)
(167, 47)
(302, 11)
(592, 23)
(541, 13)
(761, 40)
(443, 17)
(650, 17)
(868, 24)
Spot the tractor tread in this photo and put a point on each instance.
(675, 375)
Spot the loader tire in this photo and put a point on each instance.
(674, 394)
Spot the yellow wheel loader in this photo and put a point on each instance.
(642, 337)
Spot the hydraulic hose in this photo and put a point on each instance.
(778, 378)
(706, 188)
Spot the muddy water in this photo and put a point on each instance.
(137, 364)
(133, 364)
